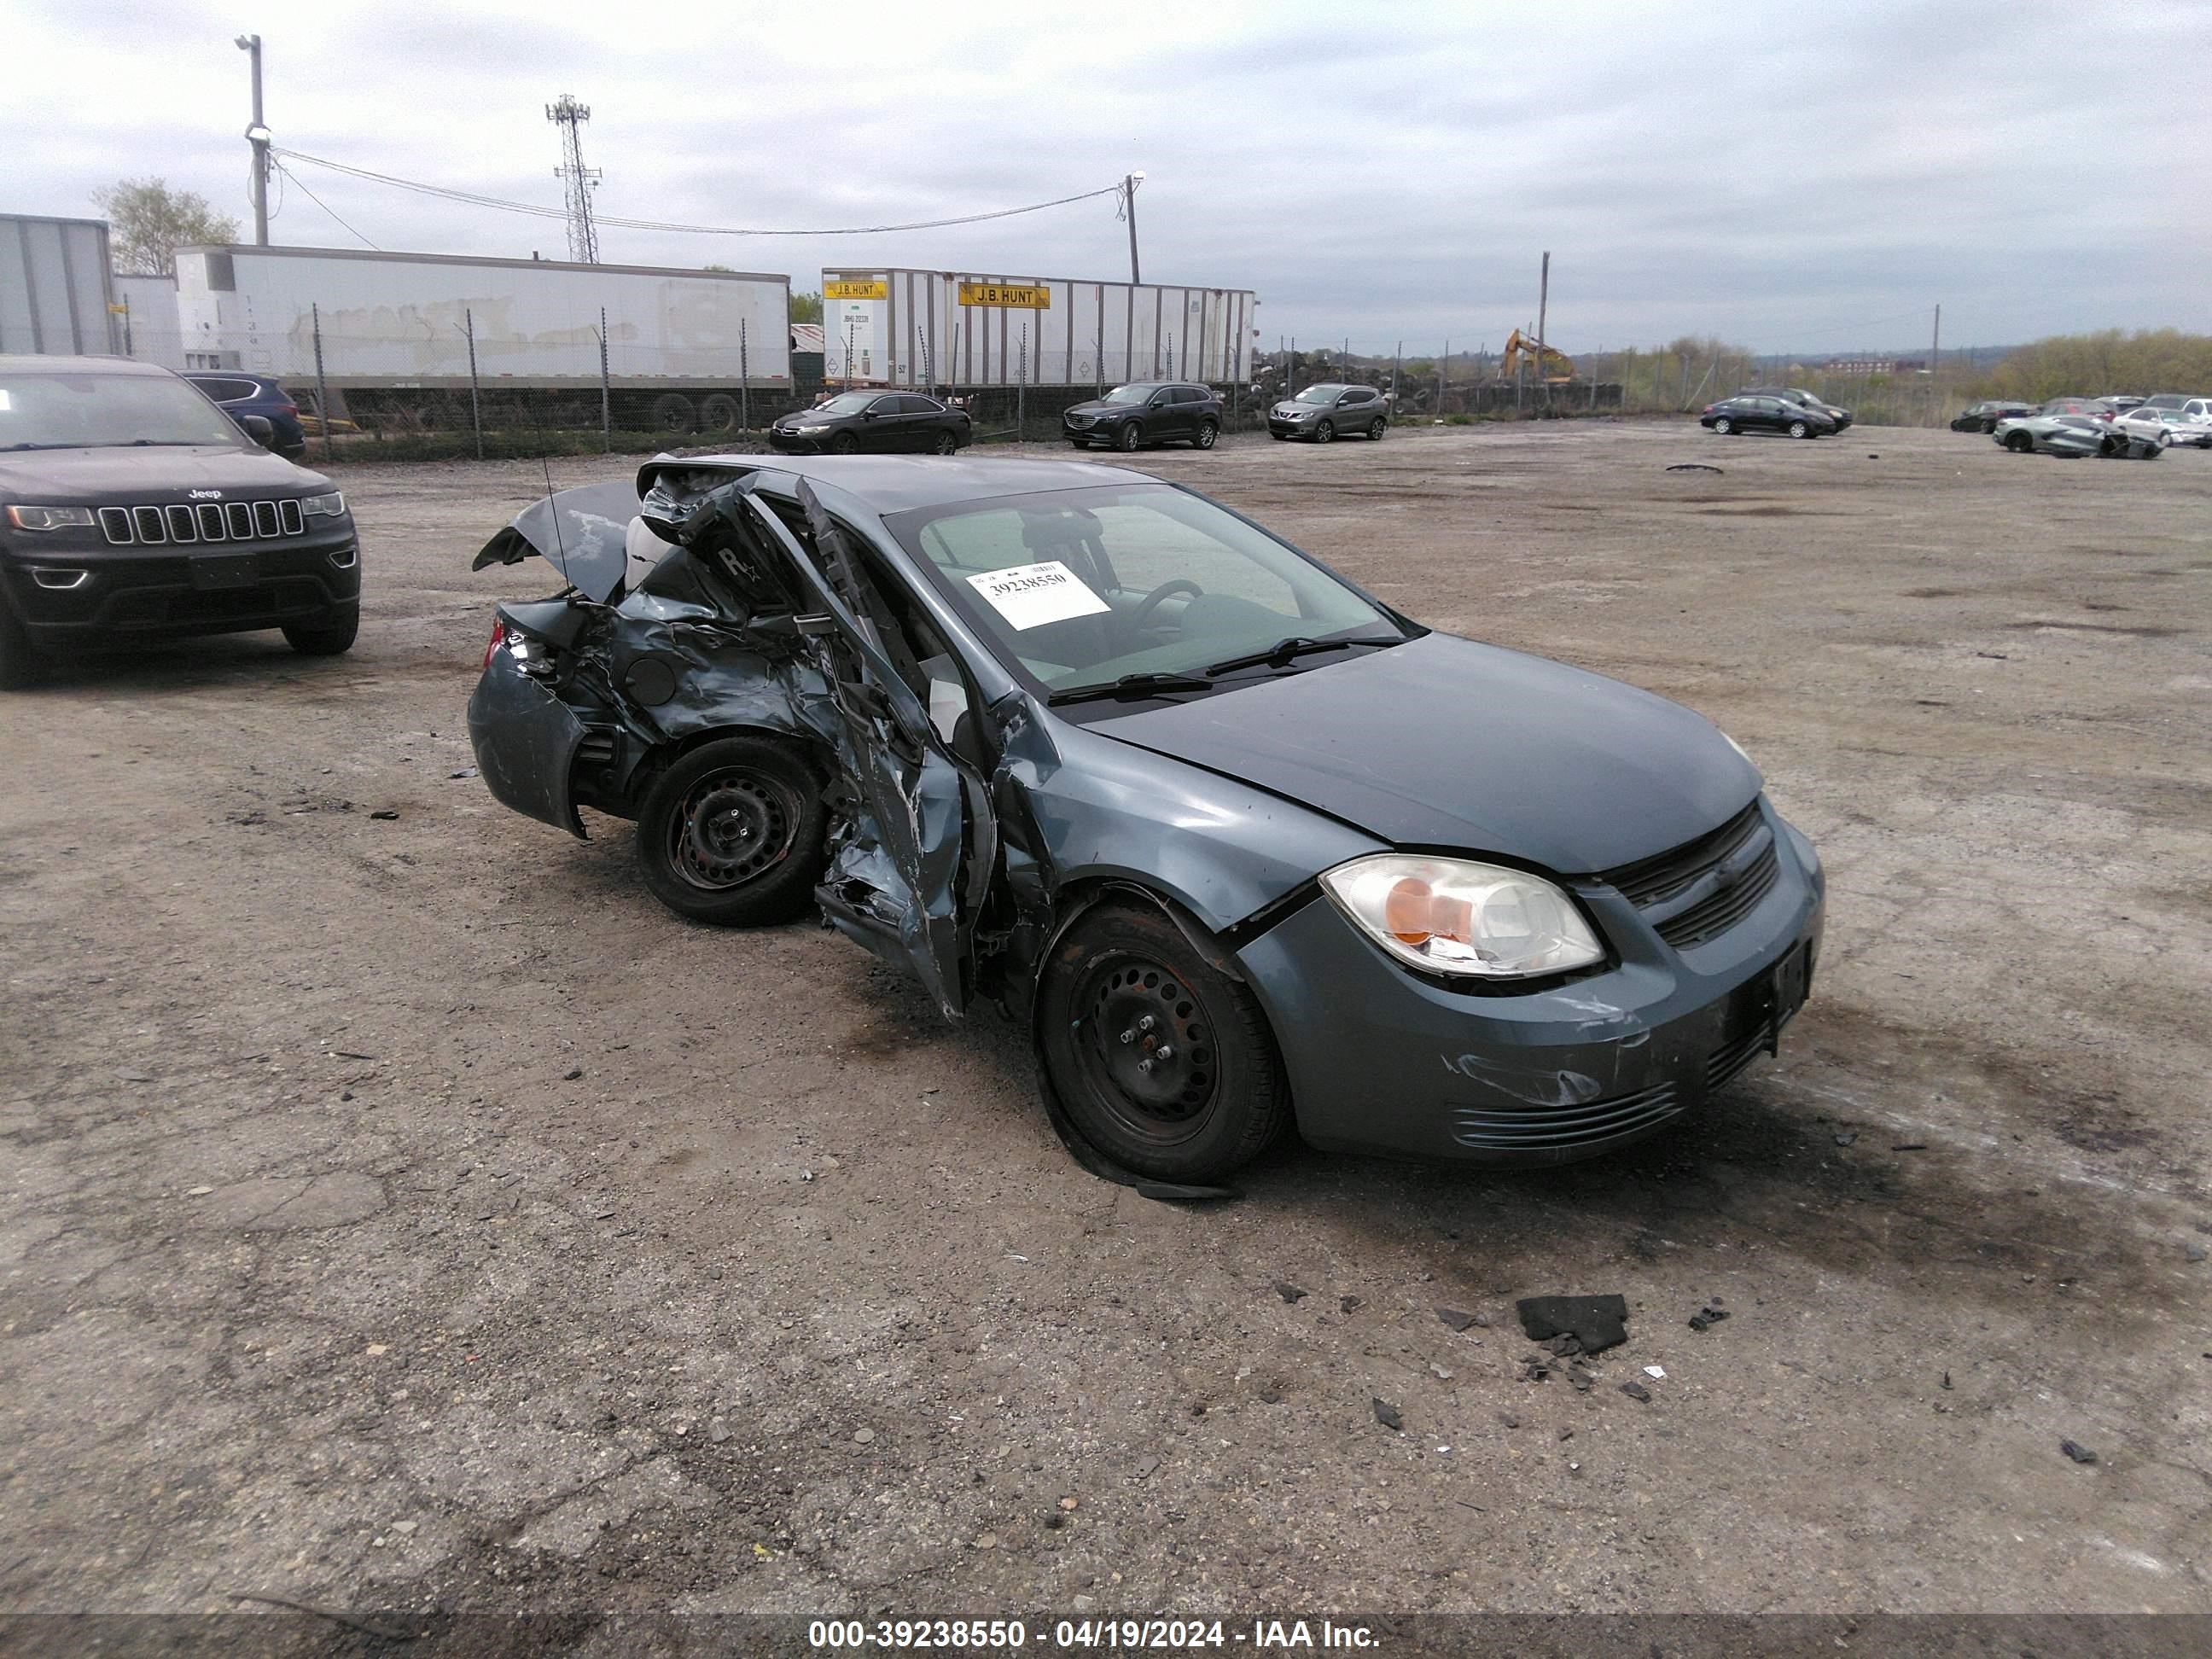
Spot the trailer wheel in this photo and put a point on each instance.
(673, 412)
(718, 413)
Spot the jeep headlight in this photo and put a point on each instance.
(49, 518)
(1459, 917)
(331, 506)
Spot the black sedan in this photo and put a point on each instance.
(1238, 846)
(1982, 417)
(873, 422)
(1767, 414)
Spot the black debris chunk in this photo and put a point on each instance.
(1582, 1380)
(1692, 466)
(1946, 1380)
(1707, 1316)
(1910, 1146)
(1567, 1434)
(2079, 1454)
(1349, 1302)
(1290, 1293)
(1536, 1367)
(572, 1075)
(387, 814)
(1458, 1321)
(1565, 1347)
(1636, 1390)
(1386, 1415)
(1596, 1322)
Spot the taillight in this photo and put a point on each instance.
(288, 408)
(498, 633)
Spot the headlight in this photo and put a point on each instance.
(49, 518)
(810, 431)
(331, 506)
(1455, 916)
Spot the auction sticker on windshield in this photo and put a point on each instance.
(1031, 595)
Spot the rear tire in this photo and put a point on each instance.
(21, 665)
(330, 638)
(1207, 432)
(1376, 428)
(718, 413)
(1213, 1094)
(732, 833)
(947, 444)
(673, 412)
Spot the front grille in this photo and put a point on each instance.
(1703, 887)
(1079, 420)
(1537, 1128)
(234, 521)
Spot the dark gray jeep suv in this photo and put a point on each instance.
(131, 506)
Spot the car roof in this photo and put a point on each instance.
(28, 363)
(898, 483)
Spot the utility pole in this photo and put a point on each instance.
(258, 136)
(1543, 305)
(579, 181)
(1936, 366)
(1129, 183)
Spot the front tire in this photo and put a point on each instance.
(2020, 443)
(844, 443)
(331, 637)
(1800, 430)
(1325, 433)
(1724, 426)
(21, 665)
(1166, 1065)
(1127, 439)
(731, 833)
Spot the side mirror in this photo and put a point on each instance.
(256, 427)
(867, 414)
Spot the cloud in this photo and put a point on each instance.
(1814, 179)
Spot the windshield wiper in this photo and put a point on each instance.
(1135, 685)
(1278, 654)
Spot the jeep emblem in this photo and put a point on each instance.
(204, 494)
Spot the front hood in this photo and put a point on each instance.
(1445, 743)
(1099, 406)
(157, 472)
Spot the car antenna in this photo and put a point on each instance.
(554, 512)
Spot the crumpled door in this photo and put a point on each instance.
(896, 883)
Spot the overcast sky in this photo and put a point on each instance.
(1801, 177)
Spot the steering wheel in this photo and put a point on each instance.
(1151, 602)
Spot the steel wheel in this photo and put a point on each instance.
(1325, 433)
(730, 828)
(1144, 1041)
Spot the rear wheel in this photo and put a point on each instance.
(673, 412)
(1127, 439)
(1376, 428)
(1166, 1065)
(1207, 432)
(1325, 433)
(947, 444)
(332, 637)
(719, 413)
(1723, 425)
(731, 833)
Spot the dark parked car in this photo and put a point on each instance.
(130, 507)
(1763, 412)
(1328, 412)
(1146, 412)
(240, 395)
(1237, 843)
(876, 423)
(1790, 394)
(1983, 417)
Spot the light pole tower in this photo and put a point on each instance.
(581, 181)
(258, 136)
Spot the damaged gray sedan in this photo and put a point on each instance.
(1238, 843)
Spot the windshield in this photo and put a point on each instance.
(1318, 394)
(1131, 394)
(1078, 588)
(46, 410)
(846, 403)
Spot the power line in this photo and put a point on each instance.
(503, 205)
(283, 171)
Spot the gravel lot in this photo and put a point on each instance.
(410, 1213)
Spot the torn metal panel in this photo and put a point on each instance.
(526, 740)
(584, 533)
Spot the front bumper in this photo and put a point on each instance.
(788, 443)
(1381, 1060)
(1289, 428)
(139, 593)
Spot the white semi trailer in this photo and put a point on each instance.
(55, 293)
(921, 328)
(678, 350)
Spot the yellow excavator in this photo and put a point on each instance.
(1551, 367)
